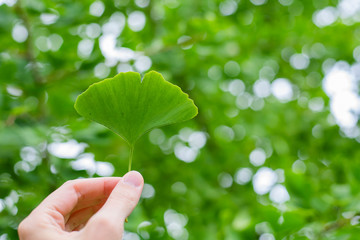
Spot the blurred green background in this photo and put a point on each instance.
(273, 154)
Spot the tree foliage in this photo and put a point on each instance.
(273, 153)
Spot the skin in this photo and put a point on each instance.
(90, 209)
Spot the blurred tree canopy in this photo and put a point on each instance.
(273, 154)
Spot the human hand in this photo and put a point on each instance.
(94, 208)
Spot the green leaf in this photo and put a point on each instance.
(131, 107)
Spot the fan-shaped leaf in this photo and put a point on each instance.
(131, 107)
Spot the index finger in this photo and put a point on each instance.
(73, 192)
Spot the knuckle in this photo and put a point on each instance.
(73, 184)
(24, 229)
(69, 183)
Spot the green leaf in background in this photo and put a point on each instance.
(131, 107)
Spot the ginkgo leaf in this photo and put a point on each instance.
(131, 107)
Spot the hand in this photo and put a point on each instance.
(86, 209)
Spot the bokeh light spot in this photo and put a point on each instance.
(143, 63)
(262, 88)
(136, 21)
(325, 17)
(48, 18)
(243, 176)
(263, 180)
(257, 157)
(228, 7)
(19, 33)
(85, 48)
(281, 88)
(299, 61)
(97, 8)
(101, 71)
(279, 194)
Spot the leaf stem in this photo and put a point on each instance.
(130, 161)
(131, 156)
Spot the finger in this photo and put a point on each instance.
(124, 197)
(84, 204)
(80, 217)
(74, 192)
(88, 203)
(109, 220)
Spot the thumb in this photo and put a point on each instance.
(124, 197)
(121, 202)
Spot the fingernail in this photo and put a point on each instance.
(133, 179)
